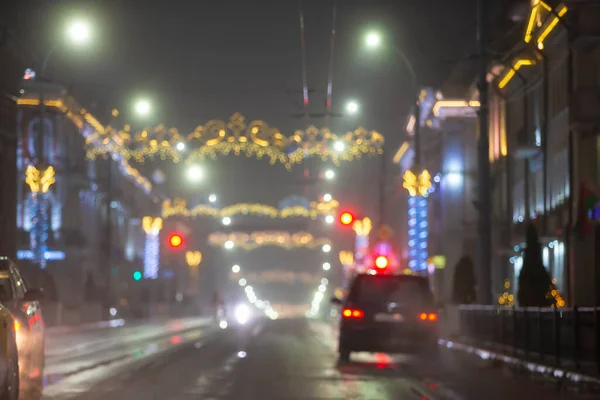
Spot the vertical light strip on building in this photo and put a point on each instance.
(417, 233)
(152, 227)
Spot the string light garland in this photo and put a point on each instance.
(178, 207)
(255, 139)
(268, 238)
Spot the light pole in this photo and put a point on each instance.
(78, 32)
(373, 40)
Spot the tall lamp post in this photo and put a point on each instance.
(373, 41)
(41, 176)
(417, 181)
(78, 33)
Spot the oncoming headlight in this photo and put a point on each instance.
(242, 313)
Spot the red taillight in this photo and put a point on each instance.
(428, 317)
(352, 313)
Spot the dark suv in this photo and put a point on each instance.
(389, 314)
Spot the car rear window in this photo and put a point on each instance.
(380, 289)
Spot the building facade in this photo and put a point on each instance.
(544, 141)
(84, 245)
(544, 118)
(448, 134)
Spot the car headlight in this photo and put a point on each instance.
(242, 314)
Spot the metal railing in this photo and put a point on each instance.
(563, 337)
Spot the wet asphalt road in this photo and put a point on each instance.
(284, 359)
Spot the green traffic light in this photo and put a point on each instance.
(137, 275)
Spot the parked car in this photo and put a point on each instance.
(9, 357)
(23, 304)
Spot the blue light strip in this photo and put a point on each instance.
(151, 256)
(38, 234)
(50, 255)
(417, 233)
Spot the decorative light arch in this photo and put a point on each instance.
(258, 239)
(217, 137)
(178, 207)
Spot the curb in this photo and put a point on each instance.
(531, 366)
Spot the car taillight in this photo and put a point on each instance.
(352, 313)
(428, 317)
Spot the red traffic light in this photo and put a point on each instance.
(175, 241)
(346, 218)
(381, 262)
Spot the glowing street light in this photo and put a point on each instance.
(326, 266)
(329, 219)
(326, 248)
(351, 108)
(329, 174)
(212, 198)
(242, 282)
(226, 221)
(180, 146)
(339, 146)
(235, 269)
(373, 39)
(195, 173)
(229, 245)
(327, 197)
(79, 32)
(142, 107)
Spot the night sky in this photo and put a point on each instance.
(202, 60)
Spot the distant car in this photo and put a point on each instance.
(24, 305)
(389, 314)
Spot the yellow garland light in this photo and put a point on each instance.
(152, 225)
(193, 258)
(94, 133)
(278, 276)
(39, 181)
(178, 207)
(268, 238)
(363, 227)
(256, 139)
(417, 185)
(346, 258)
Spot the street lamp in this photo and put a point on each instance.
(226, 221)
(373, 39)
(326, 266)
(329, 174)
(142, 108)
(352, 107)
(326, 248)
(229, 245)
(195, 173)
(212, 198)
(339, 146)
(235, 269)
(79, 31)
(329, 219)
(180, 146)
(327, 197)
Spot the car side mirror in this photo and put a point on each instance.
(34, 295)
(336, 301)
